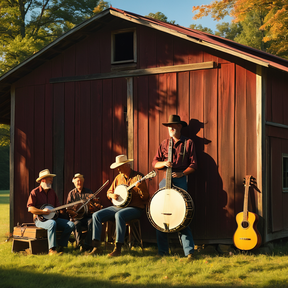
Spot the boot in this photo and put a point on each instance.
(96, 250)
(117, 250)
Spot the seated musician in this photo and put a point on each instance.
(82, 219)
(44, 194)
(184, 163)
(121, 215)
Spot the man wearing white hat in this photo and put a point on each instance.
(44, 194)
(183, 163)
(134, 210)
(81, 193)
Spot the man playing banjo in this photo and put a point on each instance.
(44, 194)
(183, 163)
(134, 208)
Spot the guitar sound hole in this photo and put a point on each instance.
(245, 224)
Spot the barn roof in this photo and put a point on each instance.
(80, 31)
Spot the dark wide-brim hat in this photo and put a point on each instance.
(175, 119)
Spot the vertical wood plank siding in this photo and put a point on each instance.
(81, 126)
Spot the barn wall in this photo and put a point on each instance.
(81, 126)
(220, 114)
(277, 143)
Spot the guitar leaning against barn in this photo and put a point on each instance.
(247, 236)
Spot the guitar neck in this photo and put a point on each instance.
(246, 195)
(169, 169)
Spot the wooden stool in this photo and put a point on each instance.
(133, 232)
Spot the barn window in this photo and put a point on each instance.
(285, 172)
(123, 48)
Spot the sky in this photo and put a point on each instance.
(178, 10)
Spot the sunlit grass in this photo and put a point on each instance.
(138, 269)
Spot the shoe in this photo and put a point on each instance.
(190, 258)
(54, 252)
(60, 249)
(95, 251)
(117, 250)
(84, 249)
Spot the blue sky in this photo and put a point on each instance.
(178, 10)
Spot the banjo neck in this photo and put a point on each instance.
(169, 169)
(65, 206)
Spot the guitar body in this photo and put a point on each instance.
(247, 237)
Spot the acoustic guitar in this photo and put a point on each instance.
(246, 236)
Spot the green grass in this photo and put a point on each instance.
(137, 269)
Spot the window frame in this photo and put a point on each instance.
(116, 32)
(284, 156)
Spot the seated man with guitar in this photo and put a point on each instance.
(137, 195)
(177, 156)
(43, 212)
(83, 217)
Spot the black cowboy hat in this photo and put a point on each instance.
(175, 119)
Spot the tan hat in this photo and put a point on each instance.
(43, 174)
(77, 175)
(120, 160)
(175, 119)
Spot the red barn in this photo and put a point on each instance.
(105, 87)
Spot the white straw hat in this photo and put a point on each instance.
(120, 160)
(77, 175)
(43, 174)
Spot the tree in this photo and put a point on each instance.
(273, 19)
(201, 28)
(228, 30)
(160, 16)
(4, 156)
(26, 26)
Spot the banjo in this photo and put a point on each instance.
(54, 211)
(171, 208)
(125, 193)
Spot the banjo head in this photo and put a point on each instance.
(121, 191)
(168, 210)
(51, 215)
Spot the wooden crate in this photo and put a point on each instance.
(35, 246)
(27, 230)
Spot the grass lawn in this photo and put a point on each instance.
(137, 269)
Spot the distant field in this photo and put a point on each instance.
(4, 215)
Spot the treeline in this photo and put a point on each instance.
(4, 156)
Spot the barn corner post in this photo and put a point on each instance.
(130, 118)
(261, 177)
(11, 156)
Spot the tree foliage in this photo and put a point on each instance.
(160, 16)
(4, 156)
(26, 26)
(201, 28)
(273, 17)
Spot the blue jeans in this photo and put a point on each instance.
(59, 224)
(185, 235)
(120, 215)
(85, 222)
